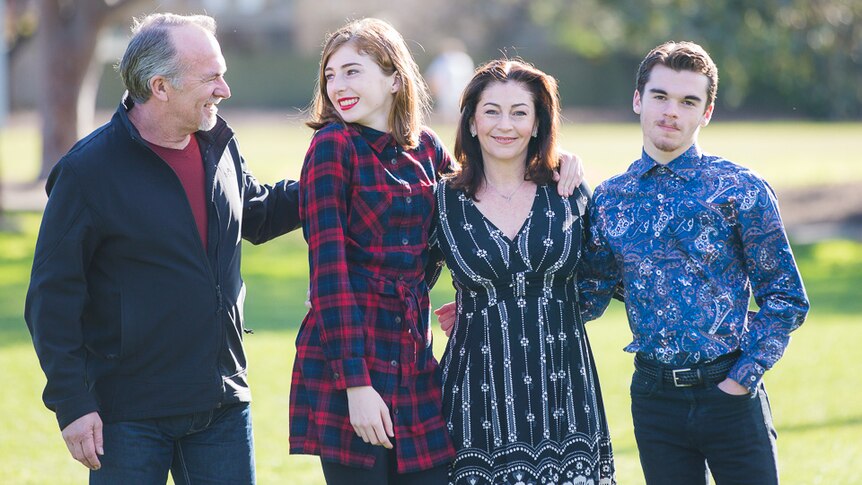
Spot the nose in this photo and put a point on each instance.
(222, 89)
(335, 84)
(670, 110)
(505, 122)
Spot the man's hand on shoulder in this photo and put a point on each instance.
(83, 437)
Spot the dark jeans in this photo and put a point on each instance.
(683, 434)
(385, 472)
(212, 447)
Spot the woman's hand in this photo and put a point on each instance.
(369, 416)
(446, 317)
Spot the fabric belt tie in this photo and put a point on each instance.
(698, 374)
(410, 364)
(406, 292)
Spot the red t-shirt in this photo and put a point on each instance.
(189, 167)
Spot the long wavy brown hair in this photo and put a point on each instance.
(542, 157)
(380, 41)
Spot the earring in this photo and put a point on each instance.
(535, 131)
(473, 131)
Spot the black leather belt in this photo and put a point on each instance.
(713, 371)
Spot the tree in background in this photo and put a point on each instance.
(807, 52)
(68, 32)
(797, 56)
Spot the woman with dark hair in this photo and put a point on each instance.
(521, 396)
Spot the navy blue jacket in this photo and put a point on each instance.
(129, 315)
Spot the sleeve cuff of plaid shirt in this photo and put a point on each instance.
(349, 373)
(747, 373)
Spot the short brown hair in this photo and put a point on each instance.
(680, 56)
(542, 158)
(379, 40)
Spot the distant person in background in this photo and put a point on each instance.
(135, 300)
(691, 237)
(521, 395)
(447, 75)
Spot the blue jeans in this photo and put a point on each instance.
(210, 447)
(683, 434)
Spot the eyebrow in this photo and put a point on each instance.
(690, 97)
(497, 105)
(349, 64)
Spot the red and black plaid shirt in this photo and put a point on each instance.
(366, 206)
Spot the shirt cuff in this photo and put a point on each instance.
(747, 373)
(349, 373)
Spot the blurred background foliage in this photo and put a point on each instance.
(777, 58)
(773, 54)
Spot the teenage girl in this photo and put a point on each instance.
(366, 394)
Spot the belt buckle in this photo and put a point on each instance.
(676, 382)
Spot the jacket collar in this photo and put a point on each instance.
(219, 135)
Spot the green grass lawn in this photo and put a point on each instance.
(786, 153)
(815, 389)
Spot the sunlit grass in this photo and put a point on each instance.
(813, 390)
(787, 154)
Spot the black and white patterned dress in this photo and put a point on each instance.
(521, 395)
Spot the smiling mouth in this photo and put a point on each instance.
(347, 103)
(504, 140)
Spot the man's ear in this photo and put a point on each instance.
(636, 102)
(707, 115)
(159, 87)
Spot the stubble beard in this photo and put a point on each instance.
(207, 123)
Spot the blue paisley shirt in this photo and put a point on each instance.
(690, 241)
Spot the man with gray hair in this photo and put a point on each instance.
(135, 299)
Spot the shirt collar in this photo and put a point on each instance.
(682, 165)
(378, 140)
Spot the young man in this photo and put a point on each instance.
(690, 236)
(135, 300)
